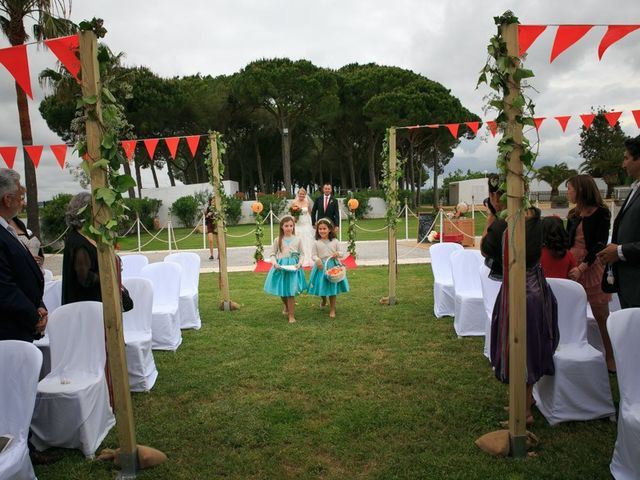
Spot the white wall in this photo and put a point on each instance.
(468, 191)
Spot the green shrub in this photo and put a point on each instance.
(186, 209)
(277, 204)
(233, 210)
(146, 209)
(363, 200)
(52, 217)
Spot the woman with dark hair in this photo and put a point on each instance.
(210, 223)
(588, 226)
(556, 260)
(542, 309)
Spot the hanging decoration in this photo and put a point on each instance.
(66, 49)
(34, 152)
(60, 152)
(8, 155)
(15, 61)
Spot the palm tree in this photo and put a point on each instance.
(554, 175)
(50, 18)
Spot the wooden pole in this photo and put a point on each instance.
(517, 265)
(222, 242)
(393, 189)
(109, 285)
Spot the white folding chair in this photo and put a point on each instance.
(443, 293)
(52, 298)
(189, 284)
(580, 389)
(137, 335)
(165, 325)
(470, 317)
(624, 331)
(19, 368)
(490, 289)
(72, 407)
(133, 264)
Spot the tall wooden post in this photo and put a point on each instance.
(222, 242)
(393, 189)
(109, 286)
(517, 264)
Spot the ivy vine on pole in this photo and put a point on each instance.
(217, 189)
(389, 184)
(259, 253)
(502, 73)
(108, 198)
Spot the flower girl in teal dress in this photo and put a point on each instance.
(286, 278)
(326, 252)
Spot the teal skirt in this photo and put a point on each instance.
(321, 287)
(285, 283)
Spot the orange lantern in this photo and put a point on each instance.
(257, 207)
(353, 204)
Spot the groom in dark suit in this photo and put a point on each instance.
(623, 253)
(22, 313)
(326, 206)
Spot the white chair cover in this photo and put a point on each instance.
(19, 367)
(470, 317)
(580, 389)
(52, 298)
(48, 275)
(624, 330)
(190, 282)
(132, 265)
(443, 294)
(614, 303)
(72, 407)
(137, 335)
(165, 325)
(593, 331)
(490, 289)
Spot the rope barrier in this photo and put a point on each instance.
(57, 239)
(175, 241)
(154, 237)
(423, 238)
(369, 230)
(456, 227)
(243, 235)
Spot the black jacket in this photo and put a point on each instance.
(595, 228)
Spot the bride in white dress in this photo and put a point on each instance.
(304, 229)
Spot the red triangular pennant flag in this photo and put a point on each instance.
(612, 117)
(60, 152)
(15, 60)
(613, 34)
(193, 142)
(453, 128)
(413, 127)
(493, 127)
(636, 116)
(172, 145)
(563, 120)
(151, 144)
(35, 152)
(66, 49)
(129, 146)
(474, 126)
(527, 34)
(566, 36)
(587, 119)
(9, 155)
(538, 121)
(433, 125)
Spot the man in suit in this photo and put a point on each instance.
(23, 314)
(326, 206)
(623, 253)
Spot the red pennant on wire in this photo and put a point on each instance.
(66, 50)
(413, 127)
(566, 36)
(538, 121)
(636, 116)
(587, 119)
(172, 145)
(527, 34)
(15, 61)
(34, 152)
(9, 155)
(193, 142)
(151, 144)
(453, 128)
(563, 121)
(493, 127)
(612, 35)
(433, 125)
(60, 152)
(129, 146)
(612, 118)
(474, 126)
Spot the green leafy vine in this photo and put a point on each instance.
(502, 73)
(390, 185)
(259, 253)
(217, 189)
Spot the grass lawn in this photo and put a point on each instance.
(241, 236)
(381, 393)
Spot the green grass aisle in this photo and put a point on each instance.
(377, 393)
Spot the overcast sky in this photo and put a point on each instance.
(443, 40)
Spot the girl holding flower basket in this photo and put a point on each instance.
(328, 277)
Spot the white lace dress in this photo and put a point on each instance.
(306, 233)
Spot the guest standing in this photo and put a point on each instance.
(588, 226)
(326, 206)
(211, 225)
(28, 239)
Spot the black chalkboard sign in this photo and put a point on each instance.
(425, 220)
